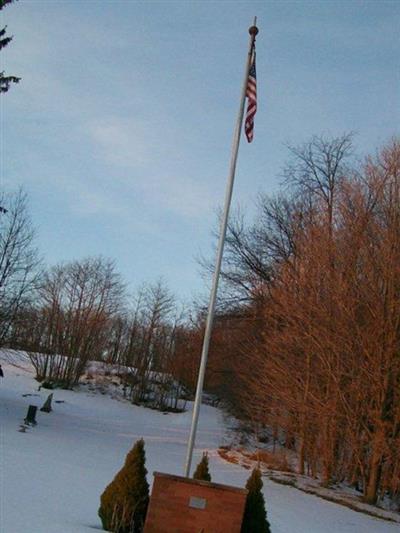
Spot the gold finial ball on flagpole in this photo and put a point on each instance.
(253, 30)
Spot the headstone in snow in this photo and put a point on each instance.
(47, 404)
(31, 416)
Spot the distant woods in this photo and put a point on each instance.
(306, 343)
(81, 313)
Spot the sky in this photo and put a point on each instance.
(120, 130)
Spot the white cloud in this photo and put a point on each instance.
(121, 142)
(154, 168)
(185, 196)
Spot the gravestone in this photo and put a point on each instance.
(47, 404)
(30, 418)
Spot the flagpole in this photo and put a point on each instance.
(253, 30)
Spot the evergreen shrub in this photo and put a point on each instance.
(255, 515)
(202, 472)
(123, 504)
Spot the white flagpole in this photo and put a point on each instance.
(253, 30)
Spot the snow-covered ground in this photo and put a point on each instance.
(52, 475)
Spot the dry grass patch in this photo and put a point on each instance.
(273, 461)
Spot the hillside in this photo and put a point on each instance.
(52, 475)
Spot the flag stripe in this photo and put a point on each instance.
(251, 94)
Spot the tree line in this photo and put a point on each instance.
(305, 347)
(79, 311)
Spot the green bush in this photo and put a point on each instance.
(47, 385)
(202, 471)
(123, 504)
(255, 515)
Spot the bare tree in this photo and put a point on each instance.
(78, 302)
(157, 307)
(318, 167)
(19, 260)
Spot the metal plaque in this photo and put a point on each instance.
(197, 503)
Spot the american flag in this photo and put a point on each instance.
(251, 93)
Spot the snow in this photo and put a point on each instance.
(52, 475)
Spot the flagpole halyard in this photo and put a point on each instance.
(253, 31)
